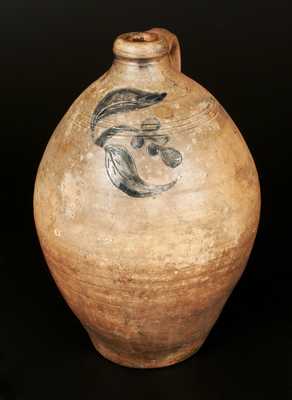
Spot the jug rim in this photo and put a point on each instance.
(140, 45)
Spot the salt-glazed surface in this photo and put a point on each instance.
(146, 205)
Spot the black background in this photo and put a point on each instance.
(50, 52)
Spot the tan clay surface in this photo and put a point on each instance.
(146, 229)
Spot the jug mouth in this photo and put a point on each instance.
(140, 45)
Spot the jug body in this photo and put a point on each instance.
(146, 205)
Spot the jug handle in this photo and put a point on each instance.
(174, 47)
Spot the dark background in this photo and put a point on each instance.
(50, 52)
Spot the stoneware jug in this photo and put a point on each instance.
(146, 205)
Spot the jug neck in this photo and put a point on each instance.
(154, 69)
(146, 55)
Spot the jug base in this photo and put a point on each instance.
(140, 361)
